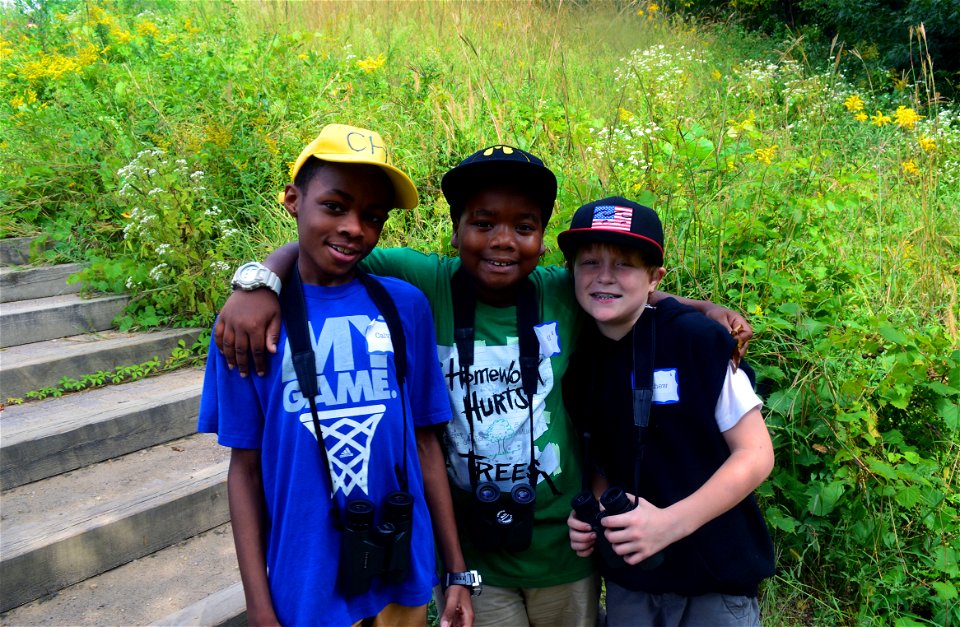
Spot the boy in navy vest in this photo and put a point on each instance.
(675, 437)
(336, 495)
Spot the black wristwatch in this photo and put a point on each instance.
(469, 578)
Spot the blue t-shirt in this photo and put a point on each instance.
(363, 428)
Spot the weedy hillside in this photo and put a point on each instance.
(150, 139)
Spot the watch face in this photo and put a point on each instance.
(248, 273)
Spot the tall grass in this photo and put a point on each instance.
(788, 189)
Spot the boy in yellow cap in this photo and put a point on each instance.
(337, 483)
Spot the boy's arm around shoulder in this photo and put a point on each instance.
(248, 517)
(249, 322)
(732, 321)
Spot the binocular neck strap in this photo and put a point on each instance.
(293, 308)
(464, 294)
(644, 349)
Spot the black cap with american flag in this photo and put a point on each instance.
(618, 221)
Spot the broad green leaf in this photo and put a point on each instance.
(945, 590)
(893, 335)
(825, 498)
(909, 496)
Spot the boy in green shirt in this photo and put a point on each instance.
(505, 328)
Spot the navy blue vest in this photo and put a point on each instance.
(684, 447)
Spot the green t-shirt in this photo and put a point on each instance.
(501, 418)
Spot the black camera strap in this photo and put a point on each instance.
(644, 349)
(464, 295)
(294, 311)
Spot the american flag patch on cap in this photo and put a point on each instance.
(612, 217)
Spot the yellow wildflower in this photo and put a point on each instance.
(757, 310)
(738, 127)
(652, 8)
(907, 118)
(302, 56)
(927, 144)
(880, 119)
(17, 101)
(148, 28)
(860, 117)
(716, 75)
(854, 103)
(624, 115)
(765, 155)
(910, 168)
(370, 64)
(122, 36)
(189, 27)
(6, 49)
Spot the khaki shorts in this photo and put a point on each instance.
(396, 616)
(570, 604)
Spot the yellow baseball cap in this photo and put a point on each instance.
(340, 143)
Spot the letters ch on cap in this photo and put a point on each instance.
(359, 142)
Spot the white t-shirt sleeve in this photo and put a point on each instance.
(736, 399)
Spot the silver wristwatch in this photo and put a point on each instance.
(469, 578)
(253, 275)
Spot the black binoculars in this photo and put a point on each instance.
(368, 550)
(614, 501)
(503, 521)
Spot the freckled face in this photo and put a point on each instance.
(500, 239)
(613, 287)
(339, 219)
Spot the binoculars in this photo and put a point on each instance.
(503, 521)
(614, 501)
(368, 550)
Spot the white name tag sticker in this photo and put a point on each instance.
(378, 337)
(666, 387)
(549, 338)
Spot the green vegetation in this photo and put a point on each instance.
(151, 139)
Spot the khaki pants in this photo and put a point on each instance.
(570, 605)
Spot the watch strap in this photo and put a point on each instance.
(469, 578)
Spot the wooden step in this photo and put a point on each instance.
(38, 282)
(45, 438)
(43, 364)
(194, 582)
(65, 529)
(40, 319)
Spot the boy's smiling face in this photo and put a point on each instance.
(612, 285)
(339, 216)
(500, 239)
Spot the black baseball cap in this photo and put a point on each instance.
(618, 221)
(500, 164)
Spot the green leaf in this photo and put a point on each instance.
(945, 590)
(824, 498)
(882, 468)
(909, 496)
(892, 334)
(777, 519)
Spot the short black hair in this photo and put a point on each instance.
(306, 173)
